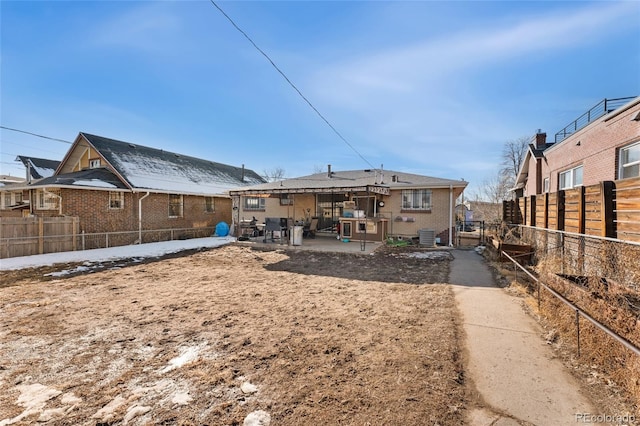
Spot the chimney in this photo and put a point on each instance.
(541, 139)
(242, 178)
(329, 170)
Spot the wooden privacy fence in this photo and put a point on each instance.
(25, 236)
(608, 209)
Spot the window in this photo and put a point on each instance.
(570, 178)
(47, 200)
(175, 205)
(285, 200)
(7, 199)
(18, 197)
(630, 161)
(416, 199)
(545, 185)
(94, 164)
(254, 203)
(208, 205)
(116, 200)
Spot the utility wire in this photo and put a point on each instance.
(291, 83)
(35, 134)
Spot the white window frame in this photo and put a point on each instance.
(176, 201)
(94, 164)
(46, 200)
(209, 205)
(253, 203)
(417, 200)
(570, 178)
(116, 200)
(545, 185)
(622, 166)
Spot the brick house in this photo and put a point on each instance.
(394, 203)
(112, 186)
(602, 145)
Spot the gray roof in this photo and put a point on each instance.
(39, 167)
(101, 177)
(350, 180)
(152, 169)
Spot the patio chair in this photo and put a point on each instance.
(310, 232)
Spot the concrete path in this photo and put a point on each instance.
(517, 379)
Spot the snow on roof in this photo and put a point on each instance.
(39, 167)
(155, 169)
(94, 183)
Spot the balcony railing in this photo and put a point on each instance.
(603, 107)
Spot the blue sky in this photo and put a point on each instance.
(434, 88)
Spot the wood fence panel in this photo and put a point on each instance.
(37, 235)
(541, 210)
(627, 209)
(592, 210)
(522, 203)
(552, 210)
(574, 210)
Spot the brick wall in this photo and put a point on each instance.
(595, 147)
(92, 207)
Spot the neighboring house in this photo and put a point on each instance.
(112, 186)
(601, 145)
(38, 168)
(394, 203)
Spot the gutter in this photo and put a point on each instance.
(140, 216)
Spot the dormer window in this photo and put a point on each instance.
(94, 164)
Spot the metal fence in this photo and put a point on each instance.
(585, 259)
(87, 241)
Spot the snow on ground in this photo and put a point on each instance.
(112, 253)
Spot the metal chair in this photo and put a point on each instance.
(310, 232)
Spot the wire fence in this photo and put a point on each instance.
(22, 246)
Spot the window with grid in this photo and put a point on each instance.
(570, 178)
(254, 203)
(47, 200)
(630, 161)
(94, 164)
(175, 205)
(416, 199)
(7, 199)
(208, 205)
(116, 200)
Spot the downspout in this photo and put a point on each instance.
(450, 215)
(59, 200)
(140, 217)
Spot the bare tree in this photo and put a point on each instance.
(273, 175)
(513, 153)
(318, 168)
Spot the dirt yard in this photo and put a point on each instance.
(234, 336)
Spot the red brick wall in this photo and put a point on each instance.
(595, 147)
(92, 207)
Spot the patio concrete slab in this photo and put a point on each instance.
(322, 242)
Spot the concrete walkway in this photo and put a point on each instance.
(517, 379)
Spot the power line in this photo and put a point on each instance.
(291, 83)
(35, 134)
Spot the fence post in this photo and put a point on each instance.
(40, 235)
(607, 189)
(83, 243)
(106, 239)
(578, 330)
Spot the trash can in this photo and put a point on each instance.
(296, 235)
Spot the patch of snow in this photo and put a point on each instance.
(135, 411)
(50, 414)
(140, 251)
(94, 182)
(68, 271)
(33, 398)
(248, 388)
(181, 398)
(106, 412)
(257, 418)
(427, 255)
(70, 398)
(187, 355)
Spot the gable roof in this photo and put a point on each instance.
(350, 180)
(38, 168)
(149, 169)
(94, 178)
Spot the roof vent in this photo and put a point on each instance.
(132, 146)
